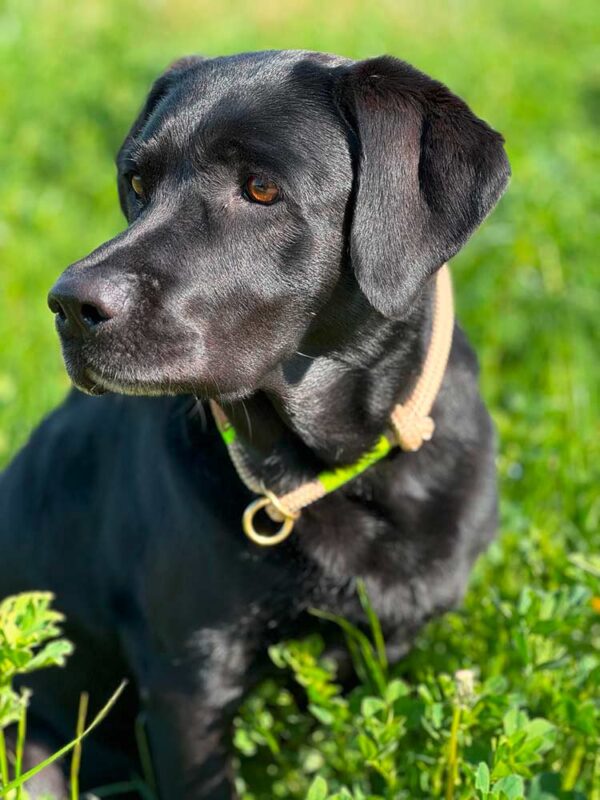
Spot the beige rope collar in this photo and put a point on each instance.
(411, 425)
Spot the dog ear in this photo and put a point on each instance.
(428, 172)
(160, 88)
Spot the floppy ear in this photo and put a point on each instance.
(160, 88)
(428, 173)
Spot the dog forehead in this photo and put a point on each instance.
(262, 71)
(275, 94)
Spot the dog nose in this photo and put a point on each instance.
(72, 311)
(82, 307)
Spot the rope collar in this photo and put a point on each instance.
(410, 426)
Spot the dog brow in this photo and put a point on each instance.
(246, 146)
(144, 150)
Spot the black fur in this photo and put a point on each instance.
(309, 319)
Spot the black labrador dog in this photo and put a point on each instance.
(287, 212)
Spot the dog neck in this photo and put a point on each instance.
(328, 404)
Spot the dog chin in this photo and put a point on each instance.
(86, 383)
(95, 384)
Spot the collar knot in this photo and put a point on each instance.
(411, 429)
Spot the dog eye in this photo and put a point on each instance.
(261, 190)
(138, 186)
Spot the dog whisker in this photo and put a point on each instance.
(198, 408)
(248, 420)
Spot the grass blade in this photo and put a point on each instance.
(144, 752)
(367, 653)
(68, 747)
(20, 747)
(378, 639)
(3, 759)
(76, 760)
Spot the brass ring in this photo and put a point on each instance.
(265, 540)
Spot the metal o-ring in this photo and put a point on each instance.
(262, 539)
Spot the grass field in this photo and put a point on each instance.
(72, 77)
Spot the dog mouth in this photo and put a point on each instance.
(95, 379)
(95, 384)
(97, 374)
(89, 383)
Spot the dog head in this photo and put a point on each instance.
(254, 185)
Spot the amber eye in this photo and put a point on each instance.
(261, 190)
(137, 186)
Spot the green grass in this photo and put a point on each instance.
(71, 79)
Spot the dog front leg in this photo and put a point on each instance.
(40, 744)
(188, 742)
(189, 715)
